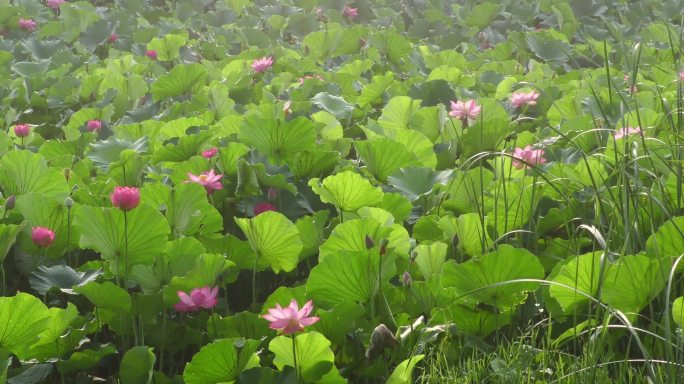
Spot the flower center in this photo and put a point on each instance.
(203, 177)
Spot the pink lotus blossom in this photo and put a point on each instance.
(94, 125)
(626, 131)
(209, 153)
(198, 298)
(465, 109)
(528, 156)
(263, 64)
(28, 24)
(54, 4)
(291, 319)
(681, 75)
(42, 237)
(112, 38)
(519, 99)
(263, 207)
(125, 198)
(22, 130)
(209, 180)
(152, 54)
(350, 13)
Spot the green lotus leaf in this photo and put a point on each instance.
(393, 45)
(632, 282)
(485, 280)
(102, 230)
(277, 139)
(314, 357)
(39, 211)
(106, 295)
(229, 156)
(430, 258)
(185, 147)
(8, 235)
(678, 311)
(668, 240)
(348, 276)
(221, 361)
(168, 47)
(84, 360)
(372, 93)
(60, 337)
(22, 172)
(313, 163)
(22, 318)
(336, 105)
(469, 230)
(137, 365)
(186, 208)
(580, 273)
(403, 373)
(398, 112)
(384, 156)
(62, 277)
(274, 238)
(348, 191)
(351, 235)
(104, 153)
(182, 79)
(417, 182)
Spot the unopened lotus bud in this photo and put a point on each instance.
(383, 246)
(10, 202)
(369, 242)
(381, 338)
(69, 202)
(406, 279)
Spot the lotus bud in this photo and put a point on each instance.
(369, 242)
(383, 246)
(406, 279)
(69, 202)
(10, 202)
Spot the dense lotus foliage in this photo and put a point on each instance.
(322, 191)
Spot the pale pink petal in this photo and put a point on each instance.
(309, 320)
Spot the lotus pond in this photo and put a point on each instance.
(324, 191)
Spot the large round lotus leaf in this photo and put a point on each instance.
(314, 357)
(632, 282)
(103, 230)
(22, 172)
(668, 240)
(274, 238)
(348, 276)
(221, 361)
(581, 276)
(488, 279)
(22, 318)
(348, 191)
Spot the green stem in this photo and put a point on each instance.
(294, 358)
(126, 249)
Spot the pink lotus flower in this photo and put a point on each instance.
(528, 156)
(54, 4)
(263, 207)
(209, 153)
(261, 65)
(94, 125)
(22, 130)
(463, 110)
(198, 298)
(28, 24)
(112, 38)
(291, 319)
(350, 13)
(626, 131)
(125, 198)
(152, 54)
(519, 99)
(209, 180)
(42, 237)
(681, 75)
